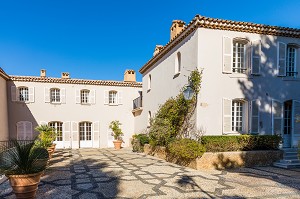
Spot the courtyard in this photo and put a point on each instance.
(109, 173)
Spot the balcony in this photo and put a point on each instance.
(137, 106)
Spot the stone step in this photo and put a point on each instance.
(292, 157)
(287, 166)
(290, 153)
(290, 161)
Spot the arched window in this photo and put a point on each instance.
(58, 130)
(149, 83)
(113, 97)
(291, 60)
(55, 95)
(178, 63)
(84, 96)
(23, 94)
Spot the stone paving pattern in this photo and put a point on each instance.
(108, 173)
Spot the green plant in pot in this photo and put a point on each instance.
(23, 165)
(46, 138)
(116, 133)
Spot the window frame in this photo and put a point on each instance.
(291, 71)
(85, 127)
(56, 98)
(85, 96)
(113, 97)
(242, 69)
(59, 133)
(237, 103)
(21, 97)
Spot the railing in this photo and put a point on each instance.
(4, 145)
(137, 103)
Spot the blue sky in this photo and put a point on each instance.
(97, 39)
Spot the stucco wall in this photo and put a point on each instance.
(4, 133)
(70, 111)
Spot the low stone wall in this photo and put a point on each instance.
(221, 160)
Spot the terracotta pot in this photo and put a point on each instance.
(50, 152)
(25, 186)
(52, 147)
(117, 144)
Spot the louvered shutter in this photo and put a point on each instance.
(281, 59)
(96, 130)
(75, 135)
(120, 97)
(92, 97)
(106, 97)
(17, 94)
(110, 138)
(31, 94)
(28, 130)
(21, 131)
(296, 117)
(256, 58)
(67, 134)
(245, 117)
(227, 116)
(254, 108)
(277, 117)
(63, 95)
(13, 93)
(227, 55)
(77, 96)
(47, 95)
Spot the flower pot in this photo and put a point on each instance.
(25, 186)
(53, 147)
(117, 144)
(50, 151)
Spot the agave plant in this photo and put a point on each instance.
(23, 159)
(46, 137)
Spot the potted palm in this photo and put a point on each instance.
(23, 165)
(116, 133)
(46, 138)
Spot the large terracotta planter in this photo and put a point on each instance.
(52, 147)
(117, 144)
(25, 186)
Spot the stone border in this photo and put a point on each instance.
(220, 160)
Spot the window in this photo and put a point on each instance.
(85, 131)
(238, 57)
(58, 130)
(149, 83)
(55, 95)
(178, 63)
(149, 118)
(237, 115)
(84, 96)
(287, 124)
(291, 61)
(23, 94)
(113, 97)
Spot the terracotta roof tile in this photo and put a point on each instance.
(3, 74)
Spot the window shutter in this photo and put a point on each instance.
(120, 97)
(63, 95)
(227, 123)
(281, 59)
(245, 117)
(67, 134)
(77, 96)
(277, 115)
(17, 94)
(21, 134)
(227, 55)
(96, 130)
(75, 135)
(28, 130)
(13, 92)
(92, 97)
(296, 117)
(31, 94)
(254, 108)
(110, 138)
(256, 57)
(106, 97)
(47, 95)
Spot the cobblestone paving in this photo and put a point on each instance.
(107, 173)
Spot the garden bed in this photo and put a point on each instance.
(220, 160)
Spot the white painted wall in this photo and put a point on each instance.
(4, 133)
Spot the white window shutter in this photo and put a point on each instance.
(47, 95)
(245, 117)
(277, 117)
(256, 57)
(77, 96)
(75, 135)
(17, 94)
(28, 130)
(296, 117)
(227, 116)
(227, 55)
(96, 131)
(254, 108)
(21, 134)
(110, 138)
(67, 134)
(13, 92)
(92, 97)
(281, 59)
(120, 97)
(63, 95)
(31, 94)
(106, 97)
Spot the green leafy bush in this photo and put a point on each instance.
(116, 130)
(138, 142)
(240, 143)
(186, 149)
(46, 137)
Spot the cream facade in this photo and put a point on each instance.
(4, 135)
(249, 77)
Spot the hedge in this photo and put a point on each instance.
(240, 143)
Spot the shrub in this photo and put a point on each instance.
(138, 142)
(186, 149)
(116, 130)
(240, 143)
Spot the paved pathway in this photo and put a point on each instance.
(107, 173)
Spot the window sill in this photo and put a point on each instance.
(113, 104)
(23, 102)
(290, 78)
(176, 75)
(85, 104)
(55, 103)
(239, 75)
(233, 133)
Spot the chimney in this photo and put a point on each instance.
(157, 49)
(65, 75)
(43, 73)
(177, 26)
(129, 76)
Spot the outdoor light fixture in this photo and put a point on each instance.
(188, 93)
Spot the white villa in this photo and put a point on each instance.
(249, 86)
